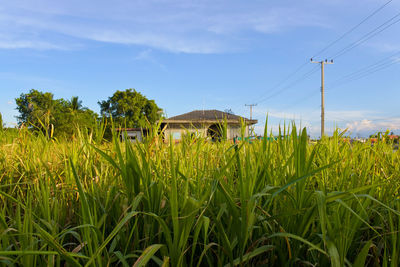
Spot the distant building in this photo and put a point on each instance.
(200, 123)
(205, 123)
(393, 137)
(132, 134)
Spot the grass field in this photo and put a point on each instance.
(283, 202)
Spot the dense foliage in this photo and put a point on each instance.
(130, 108)
(55, 117)
(276, 202)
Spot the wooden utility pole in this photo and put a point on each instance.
(251, 109)
(322, 93)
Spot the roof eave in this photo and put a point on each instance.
(248, 122)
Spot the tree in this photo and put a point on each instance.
(130, 108)
(38, 110)
(1, 122)
(76, 117)
(75, 104)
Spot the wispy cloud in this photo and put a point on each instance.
(147, 55)
(314, 114)
(177, 26)
(26, 77)
(366, 126)
(16, 44)
(144, 55)
(357, 122)
(386, 47)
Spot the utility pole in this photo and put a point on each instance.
(251, 109)
(322, 62)
(251, 114)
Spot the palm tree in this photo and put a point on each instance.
(75, 109)
(75, 104)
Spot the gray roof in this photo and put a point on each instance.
(207, 115)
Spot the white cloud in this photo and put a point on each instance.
(314, 114)
(177, 26)
(366, 126)
(357, 122)
(146, 55)
(30, 78)
(16, 44)
(186, 26)
(347, 115)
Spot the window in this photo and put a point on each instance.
(176, 135)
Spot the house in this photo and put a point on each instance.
(132, 134)
(205, 123)
(393, 137)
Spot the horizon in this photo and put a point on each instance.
(189, 55)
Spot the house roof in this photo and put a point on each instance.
(130, 129)
(208, 116)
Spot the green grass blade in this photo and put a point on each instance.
(147, 254)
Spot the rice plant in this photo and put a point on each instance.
(279, 201)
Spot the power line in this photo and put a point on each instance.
(314, 93)
(277, 85)
(367, 68)
(305, 76)
(361, 73)
(301, 100)
(251, 109)
(352, 29)
(280, 83)
(368, 36)
(366, 71)
(322, 63)
(366, 74)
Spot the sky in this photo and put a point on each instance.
(221, 54)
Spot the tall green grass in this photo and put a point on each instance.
(283, 202)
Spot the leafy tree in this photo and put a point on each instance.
(76, 116)
(38, 109)
(75, 104)
(130, 107)
(41, 111)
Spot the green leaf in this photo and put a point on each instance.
(55, 245)
(362, 256)
(300, 239)
(147, 254)
(248, 256)
(111, 235)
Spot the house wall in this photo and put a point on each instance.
(234, 131)
(133, 136)
(177, 131)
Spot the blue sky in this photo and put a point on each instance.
(218, 54)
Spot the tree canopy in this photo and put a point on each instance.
(39, 110)
(130, 108)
